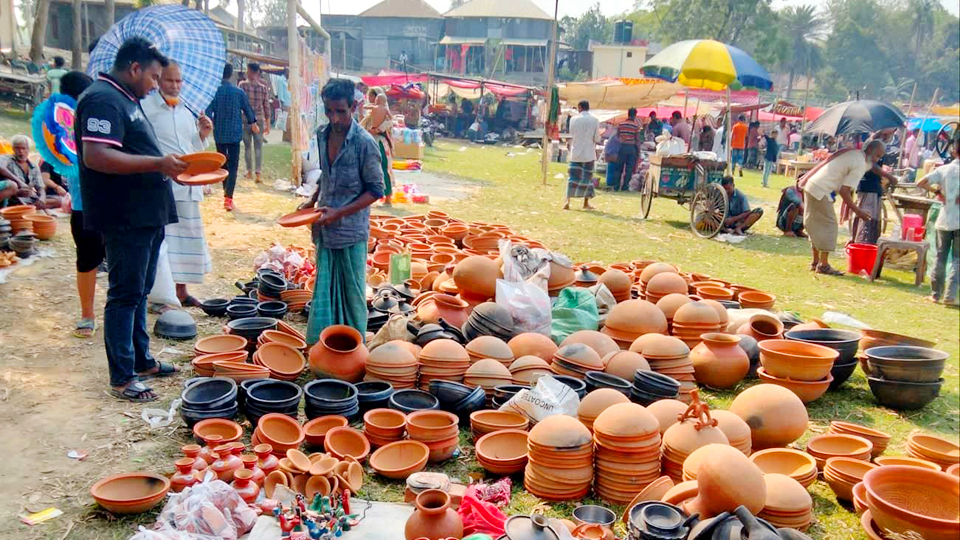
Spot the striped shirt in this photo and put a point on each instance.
(259, 96)
(629, 132)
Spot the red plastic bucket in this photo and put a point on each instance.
(861, 257)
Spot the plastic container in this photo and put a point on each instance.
(911, 221)
(861, 258)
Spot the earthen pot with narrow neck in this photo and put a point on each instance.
(433, 519)
(718, 361)
(339, 354)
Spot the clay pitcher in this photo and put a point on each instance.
(339, 354)
(225, 464)
(718, 361)
(193, 451)
(184, 476)
(433, 519)
(265, 458)
(250, 463)
(762, 326)
(245, 486)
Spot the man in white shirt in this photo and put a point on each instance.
(947, 190)
(783, 134)
(841, 173)
(179, 133)
(911, 151)
(585, 135)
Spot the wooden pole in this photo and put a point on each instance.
(903, 132)
(803, 111)
(545, 161)
(293, 83)
(728, 132)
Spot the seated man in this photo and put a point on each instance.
(790, 212)
(30, 186)
(739, 215)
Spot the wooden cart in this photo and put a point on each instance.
(687, 179)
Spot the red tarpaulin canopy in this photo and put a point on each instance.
(492, 87)
(397, 91)
(388, 77)
(812, 114)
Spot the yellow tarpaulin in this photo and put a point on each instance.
(952, 110)
(614, 94)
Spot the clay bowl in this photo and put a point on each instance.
(280, 431)
(490, 421)
(905, 499)
(859, 493)
(907, 364)
(932, 448)
(796, 360)
(130, 493)
(755, 299)
(431, 425)
(384, 423)
(316, 430)
(870, 527)
(805, 390)
(904, 395)
(878, 338)
(228, 430)
(901, 461)
(798, 465)
(824, 447)
(277, 336)
(844, 473)
(504, 447)
(282, 359)
(844, 342)
(400, 459)
(345, 441)
(220, 343)
(879, 439)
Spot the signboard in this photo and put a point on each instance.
(784, 108)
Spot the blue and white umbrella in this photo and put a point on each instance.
(185, 35)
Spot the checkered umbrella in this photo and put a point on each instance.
(185, 35)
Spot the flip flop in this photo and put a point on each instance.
(82, 326)
(190, 301)
(164, 370)
(134, 392)
(828, 270)
(157, 308)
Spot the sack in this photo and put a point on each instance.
(575, 309)
(547, 398)
(528, 304)
(164, 290)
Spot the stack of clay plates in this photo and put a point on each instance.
(670, 356)
(626, 451)
(490, 347)
(879, 439)
(736, 430)
(527, 369)
(940, 451)
(693, 320)
(788, 505)
(575, 360)
(560, 459)
(392, 363)
(796, 464)
(596, 402)
(443, 359)
(844, 473)
(489, 374)
(681, 440)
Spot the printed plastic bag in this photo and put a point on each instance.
(164, 291)
(575, 309)
(547, 398)
(210, 509)
(528, 304)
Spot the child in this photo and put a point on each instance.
(770, 155)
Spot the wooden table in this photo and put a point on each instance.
(798, 166)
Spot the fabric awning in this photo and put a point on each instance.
(524, 42)
(453, 40)
(390, 77)
(614, 94)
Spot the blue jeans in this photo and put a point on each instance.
(737, 156)
(948, 244)
(767, 168)
(625, 166)
(132, 262)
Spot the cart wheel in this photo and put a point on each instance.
(708, 210)
(646, 196)
(942, 143)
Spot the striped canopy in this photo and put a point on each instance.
(705, 63)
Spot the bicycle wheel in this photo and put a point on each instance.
(708, 210)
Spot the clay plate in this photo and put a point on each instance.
(204, 179)
(203, 162)
(300, 217)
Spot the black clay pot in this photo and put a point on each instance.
(599, 379)
(450, 393)
(251, 327)
(273, 308)
(749, 345)
(408, 401)
(842, 372)
(577, 385)
(330, 393)
(373, 395)
(475, 401)
(656, 383)
(210, 393)
(904, 395)
(215, 307)
(240, 311)
(271, 396)
(192, 416)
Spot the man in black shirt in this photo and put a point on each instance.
(124, 181)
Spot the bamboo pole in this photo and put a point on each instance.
(545, 160)
(803, 111)
(293, 83)
(903, 132)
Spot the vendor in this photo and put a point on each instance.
(947, 190)
(870, 199)
(379, 123)
(740, 216)
(790, 212)
(26, 175)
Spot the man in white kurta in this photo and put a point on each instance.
(180, 132)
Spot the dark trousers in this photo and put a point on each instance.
(946, 271)
(232, 151)
(626, 165)
(132, 260)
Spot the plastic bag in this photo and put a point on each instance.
(479, 516)
(521, 263)
(164, 291)
(158, 418)
(575, 309)
(605, 300)
(547, 398)
(394, 329)
(528, 304)
(209, 509)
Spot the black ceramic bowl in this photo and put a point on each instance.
(645, 398)
(476, 401)
(599, 379)
(654, 382)
(240, 311)
(251, 327)
(192, 416)
(408, 401)
(243, 300)
(209, 394)
(242, 389)
(577, 385)
(373, 394)
(327, 393)
(506, 391)
(843, 341)
(904, 395)
(215, 307)
(450, 393)
(351, 413)
(273, 308)
(842, 372)
(907, 364)
(750, 346)
(274, 394)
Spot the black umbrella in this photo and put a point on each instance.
(860, 116)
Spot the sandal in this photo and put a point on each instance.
(157, 308)
(190, 301)
(136, 392)
(164, 369)
(828, 270)
(85, 329)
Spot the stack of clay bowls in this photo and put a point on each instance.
(17, 217)
(879, 439)
(560, 459)
(788, 505)
(685, 437)
(736, 430)
(801, 367)
(828, 445)
(443, 359)
(618, 282)
(44, 226)
(668, 355)
(324, 397)
(798, 465)
(844, 342)
(527, 369)
(489, 319)
(296, 299)
(489, 374)
(284, 361)
(624, 364)
(844, 473)
(476, 277)
(650, 386)
(692, 320)
(485, 422)
(503, 452)
(626, 452)
(667, 412)
(439, 430)
(904, 377)
(575, 360)
(669, 305)
(532, 344)
(631, 319)
(392, 363)
(22, 243)
(663, 284)
(652, 270)
(600, 343)
(490, 347)
(594, 403)
(935, 449)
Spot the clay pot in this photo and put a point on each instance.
(443, 306)
(346, 441)
(184, 476)
(193, 451)
(600, 343)
(250, 463)
(776, 416)
(533, 344)
(762, 326)
(339, 354)
(726, 479)
(477, 277)
(905, 499)
(433, 519)
(265, 458)
(245, 486)
(226, 463)
(130, 493)
(718, 361)
(400, 459)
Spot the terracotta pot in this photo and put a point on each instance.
(184, 476)
(346, 441)
(400, 459)
(776, 416)
(130, 493)
(433, 519)
(250, 463)
(212, 441)
(762, 326)
(226, 463)
(726, 479)
(443, 306)
(244, 485)
(340, 354)
(193, 451)
(265, 458)
(718, 361)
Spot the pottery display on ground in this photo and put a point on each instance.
(601, 343)
(433, 518)
(527, 369)
(718, 361)
(627, 452)
(917, 501)
(443, 359)
(560, 459)
(776, 416)
(935, 449)
(796, 464)
(696, 429)
(726, 479)
(339, 354)
(668, 356)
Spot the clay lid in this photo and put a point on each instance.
(624, 364)
(530, 343)
(580, 355)
(640, 343)
(528, 362)
(391, 354)
(487, 368)
(490, 347)
(626, 420)
(736, 430)
(656, 268)
(598, 401)
(696, 313)
(666, 283)
(560, 431)
(684, 437)
(600, 343)
(477, 275)
(670, 303)
(637, 317)
(667, 411)
(660, 346)
(784, 494)
(616, 280)
(445, 349)
(721, 311)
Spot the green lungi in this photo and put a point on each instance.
(339, 296)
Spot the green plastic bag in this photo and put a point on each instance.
(399, 268)
(575, 309)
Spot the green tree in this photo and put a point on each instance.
(856, 50)
(921, 21)
(728, 21)
(591, 26)
(802, 28)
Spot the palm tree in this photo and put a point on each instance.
(803, 28)
(921, 22)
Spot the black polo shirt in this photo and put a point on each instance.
(109, 113)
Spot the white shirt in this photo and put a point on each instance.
(911, 152)
(844, 170)
(585, 134)
(719, 144)
(783, 134)
(948, 178)
(177, 133)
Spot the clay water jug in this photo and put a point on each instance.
(225, 463)
(339, 354)
(193, 451)
(206, 453)
(718, 361)
(184, 476)
(265, 458)
(244, 486)
(433, 519)
(250, 463)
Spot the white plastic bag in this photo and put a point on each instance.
(547, 398)
(164, 290)
(528, 304)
